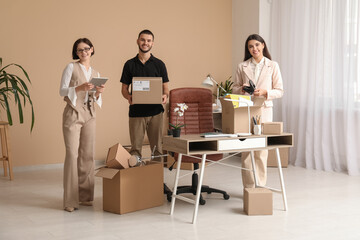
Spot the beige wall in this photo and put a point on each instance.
(193, 38)
(245, 20)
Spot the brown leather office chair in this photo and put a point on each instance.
(198, 118)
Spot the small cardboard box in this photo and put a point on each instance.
(236, 119)
(118, 157)
(258, 201)
(147, 90)
(284, 157)
(132, 189)
(273, 128)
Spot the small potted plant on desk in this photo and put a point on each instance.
(223, 89)
(179, 112)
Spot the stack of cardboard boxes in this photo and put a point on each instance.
(235, 119)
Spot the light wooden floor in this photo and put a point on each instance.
(321, 206)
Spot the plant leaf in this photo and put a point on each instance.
(7, 109)
(32, 117)
(25, 73)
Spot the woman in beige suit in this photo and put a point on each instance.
(79, 126)
(265, 74)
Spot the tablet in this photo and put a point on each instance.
(98, 81)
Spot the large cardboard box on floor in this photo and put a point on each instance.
(235, 118)
(132, 189)
(258, 201)
(146, 90)
(284, 157)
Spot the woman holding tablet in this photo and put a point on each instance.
(79, 126)
(265, 73)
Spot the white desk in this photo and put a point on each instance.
(196, 145)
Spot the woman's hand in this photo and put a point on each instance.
(84, 87)
(242, 90)
(260, 92)
(100, 89)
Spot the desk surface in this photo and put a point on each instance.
(195, 144)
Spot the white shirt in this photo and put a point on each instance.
(256, 68)
(66, 91)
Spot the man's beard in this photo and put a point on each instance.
(145, 51)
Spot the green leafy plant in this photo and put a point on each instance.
(227, 86)
(11, 85)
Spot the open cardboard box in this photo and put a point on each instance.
(235, 119)
(132, 189)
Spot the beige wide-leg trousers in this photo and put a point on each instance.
(259, 156)
(79, 137)
(153, 126)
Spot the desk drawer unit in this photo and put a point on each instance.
(237, 144)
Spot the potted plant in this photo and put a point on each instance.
(11, 85)
(227, 86)
(179, 112)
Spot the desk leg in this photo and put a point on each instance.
(254, 167)
(281, 178)
(198, 190)
(176, 183)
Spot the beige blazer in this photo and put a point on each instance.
(269, 79)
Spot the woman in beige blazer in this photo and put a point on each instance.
(265, 73)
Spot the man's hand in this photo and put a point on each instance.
(125, 93)
(129, 98)
(164, 99)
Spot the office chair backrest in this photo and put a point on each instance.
(198, 118)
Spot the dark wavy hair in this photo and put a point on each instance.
(146, 31)
(256, 37)
(77, 42)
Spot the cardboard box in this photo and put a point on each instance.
(272, 128)
(147, 90)
(132, 189)
(236, 120)
(118, 157)
(183, 166)
(284, 157)
(258, 201)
